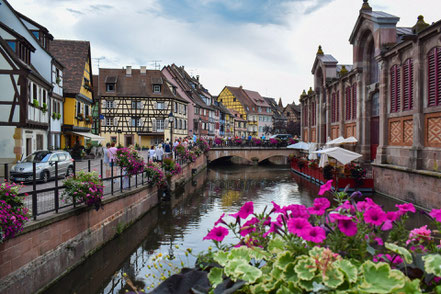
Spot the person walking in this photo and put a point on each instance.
(167, 149)
(152, 154)
(159, 153)
(106, 159)
(111, 153)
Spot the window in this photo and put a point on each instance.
(34, 92)
(44, 97)
(176, 107)
(234, 99)
(260, 109)
(78, 108)
(113, 139)
(135, 121)
(333, 107)
(36, 34)
(136, 104)
(434, 76)
(86, 110)
(109, 104)
(156, 89)
(185, 109)
(13, 45)
(159, 125)
(108, 121)
(408, 84)
(160, 105)
(313, 114)
(338, 106)
(395, 88)
(110, 87)
(348, 103)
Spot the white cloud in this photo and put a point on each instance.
(275, 60)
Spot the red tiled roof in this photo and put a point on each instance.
(73, 55)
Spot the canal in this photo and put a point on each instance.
(181, 223)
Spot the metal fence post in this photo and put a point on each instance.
(75, 168)
(6, 172)
(120, 179)
(101, 169)
(57, 204)
(88, 165)
(34, 190)
(111, 176)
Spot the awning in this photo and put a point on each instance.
(299, 145)
(342, 155)
(91, 136)
(336, 141)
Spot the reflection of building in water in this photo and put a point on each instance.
(229, 197)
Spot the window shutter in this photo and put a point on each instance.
(103, 104)
(354, 101)
(104, 121)
(408, 84)
(166, 123)
(395, 89)
(348, 103)
(333, 107)
(154, 124)
(432, 77)
(115, 121)
(438, 75)
(338, 106)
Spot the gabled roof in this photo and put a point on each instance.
(326, 59)
(256, 98)
(73, 55)
(136, 85)
(33, 22)
(240, 95)
(378, 17)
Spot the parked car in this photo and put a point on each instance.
(45, 166)
(283, 137)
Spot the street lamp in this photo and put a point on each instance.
(170, 120)
(119, 132)
(200, 126)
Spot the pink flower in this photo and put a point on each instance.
(220, 220)
(276, 207)
(216, 234)
(248, 227)
(421, 233)
(298, 225)
(316, 210)
(314, 234)
(347, 227)
(379, 241)
(362, 205)
(387, 225)
(404, 208)
(321, 203)
(297, 210)
(326, 187)
(436, 214)
(273, 229)
(375, 216)
(245, 210)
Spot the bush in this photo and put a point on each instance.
(155, 174)
(352, 247)
(274, 141)
(84, 187)
(202, 144)
(13, 213)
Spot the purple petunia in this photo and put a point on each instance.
(245, 210)
(217, 234)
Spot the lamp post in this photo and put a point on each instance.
(119, 132)
(200, 126)
(170, 120)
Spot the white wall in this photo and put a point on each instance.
(7, 144)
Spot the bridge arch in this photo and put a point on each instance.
(253, 154)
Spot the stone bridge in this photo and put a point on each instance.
(253, 154)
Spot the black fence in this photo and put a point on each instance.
(43, 198)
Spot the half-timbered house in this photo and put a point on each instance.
(77, 90)
(25, 81)
(140, 107)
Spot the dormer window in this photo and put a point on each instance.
(13, 45)
(36, 34)
(110, 87)
(156, 89)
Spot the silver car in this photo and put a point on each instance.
(45, 166)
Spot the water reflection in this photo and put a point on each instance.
(184, 221)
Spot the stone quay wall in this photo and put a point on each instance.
(420, 187)
(49, 248)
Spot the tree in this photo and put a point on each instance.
(293, 128)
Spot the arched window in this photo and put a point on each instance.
(338, 106)
(333, 107)
(395, 86)
(434, 77)
(408, 84)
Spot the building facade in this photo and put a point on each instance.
(140, 107)
(389, 99)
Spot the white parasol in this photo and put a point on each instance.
(341, 155)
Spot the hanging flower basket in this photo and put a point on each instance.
(13, 213)
(84, 187)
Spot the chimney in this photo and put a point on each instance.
(143, 70)
(128, 71)
(197, 78)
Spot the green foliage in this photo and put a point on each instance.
(432, 264)
(401, 251)
(379, 278)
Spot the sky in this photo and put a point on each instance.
(264, 45)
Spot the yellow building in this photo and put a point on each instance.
(77, 85)
(140, 107)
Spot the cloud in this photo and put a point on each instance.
(74, 11)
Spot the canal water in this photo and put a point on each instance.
(181, 223)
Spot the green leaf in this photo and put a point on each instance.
(333, 278)
(289, 275)
(272, 285)
(401, 251)
(259, 254)
(311, 284)
(221, 257)
(257, 289)
(248, 273)
(349, 270)
(230, 269)
(379, 278)
(276, 245)
(411, 287)
(283, 260)
(316, 251)
(242, 253)
(432, 264)
(215, 276)
(305, 268)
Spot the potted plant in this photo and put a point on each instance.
(44, 108)
(13, 213)
(80, 116)
(58, 115)
(84, 187)
(54, 115)
(130, 160)
(58, 80)
(89, 119)
(171, 167)
(154, 174)
(35, 103)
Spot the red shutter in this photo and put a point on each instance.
(438, 74)
(408, 84)
(354, 101)
(338, 106)
(395, 89)
(333, 107)
(432, 77)
(348, 103)
(398, 90)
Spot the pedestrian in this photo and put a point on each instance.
(167, 149)
(159, 153)
(111, 153)
(106, 159)
(152, 154)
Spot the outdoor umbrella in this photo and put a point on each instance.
(299, 145)
(323, 160)
(336, 141)
(350, 140)
(311, 149)
(341, 155)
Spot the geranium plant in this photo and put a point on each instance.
(273, 141)
(351, 247)
(218, 141)
(202, 144)
(154, 174)
(130, 160)
(171, 167)
(13, 213)
(84, 187)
